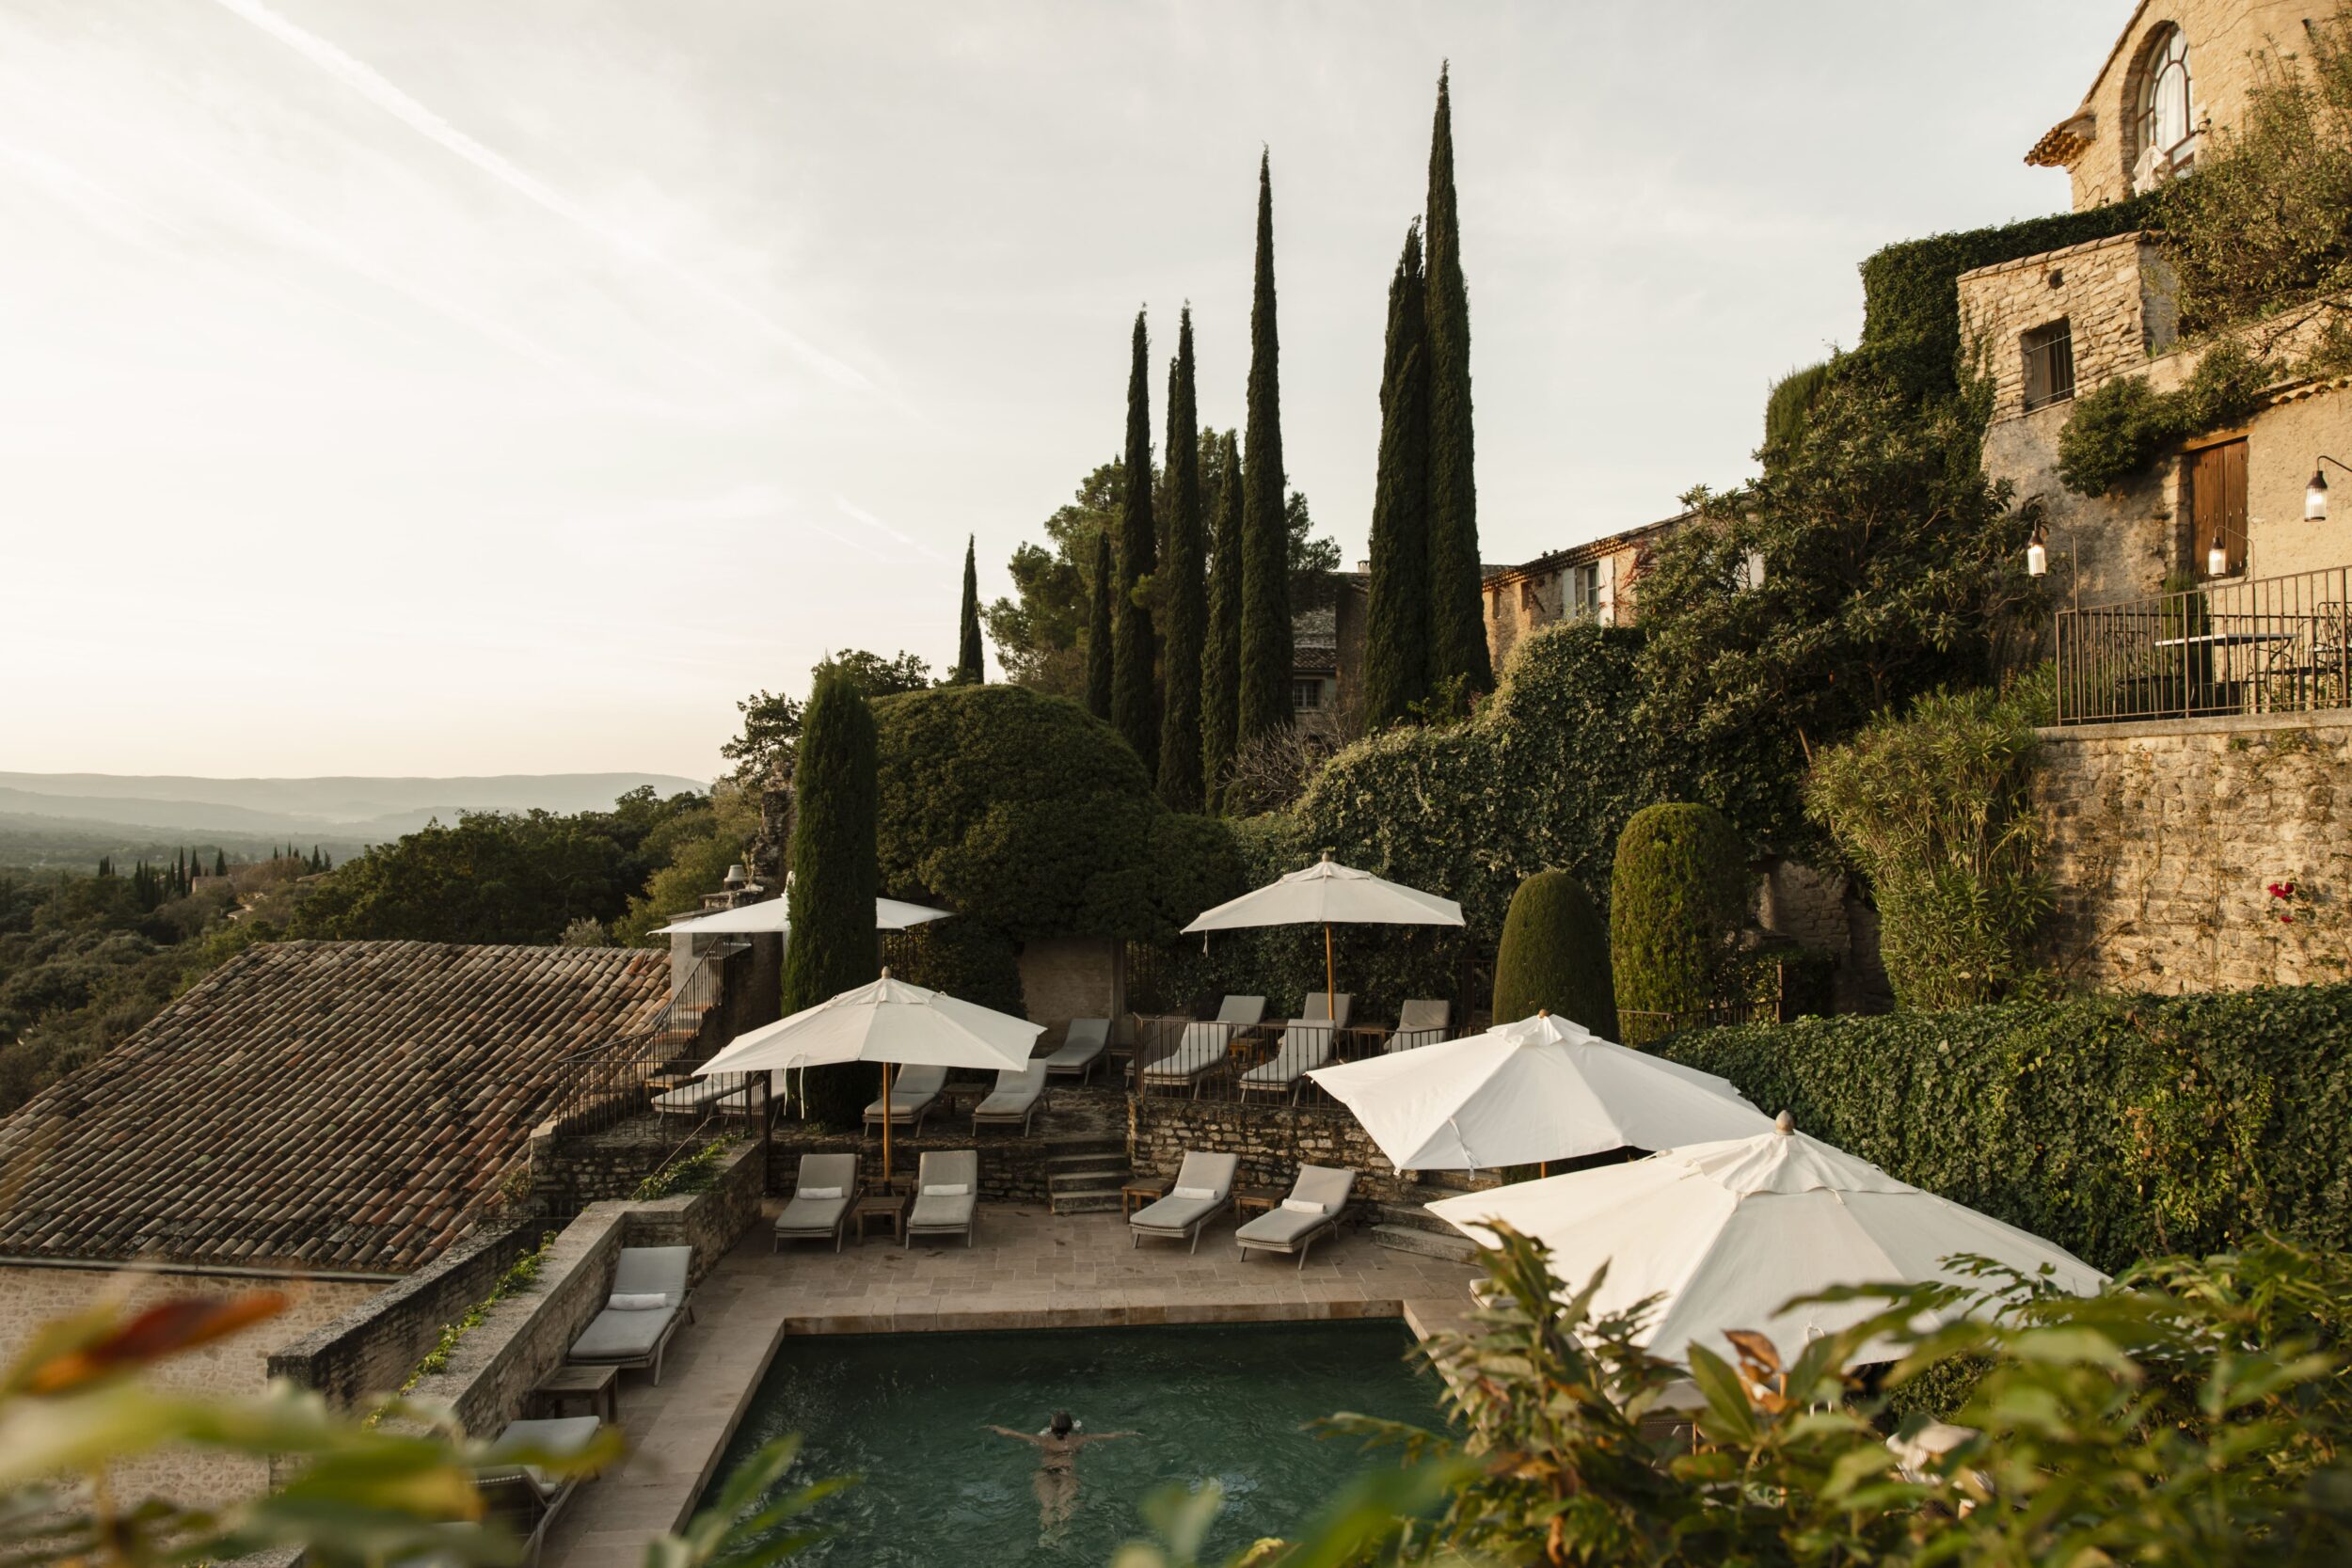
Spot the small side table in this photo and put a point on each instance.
(889, 1206)
(596, 1388)
(1142, 1190)
(1257, 1201)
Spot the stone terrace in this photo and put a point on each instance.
(1027, 1269)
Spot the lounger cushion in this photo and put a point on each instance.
(568, 1436)
(1089, 1037)
(814, 1194)
(1174, 1215)
(638, 1301)
(1207, 1194)
(622, 1336)
(940, 1212)
(653, 1268)
(1304, 1206)
(810, 1216)
(949, 1189)
(1281, 1226)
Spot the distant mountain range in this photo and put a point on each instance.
(54, 819)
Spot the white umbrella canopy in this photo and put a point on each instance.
(1327, 894)
(889, 1022)
(1730, 1232)
(890, 915)
(1542, 1089)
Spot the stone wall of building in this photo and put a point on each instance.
(2115, 294)
(30, 1296)
(372, 1348)
(1273, 1142)
(1066, 977)
(2164, 837)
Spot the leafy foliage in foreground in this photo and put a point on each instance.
(2197, 1414)
(2120, 1126)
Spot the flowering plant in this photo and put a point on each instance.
(2286, 899)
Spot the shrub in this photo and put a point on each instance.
(2119, 428)
(1935, 808)
(1790, 403)
(1554, 955)
(2117, 1126)
(965, 959)
(1677, 898)
(832, 888)
(1029, 815)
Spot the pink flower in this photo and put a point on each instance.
(2287, 919)
(2276, 892)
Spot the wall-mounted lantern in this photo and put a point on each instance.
(2037, 556)
(2315, 496)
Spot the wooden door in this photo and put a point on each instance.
(2217, 493)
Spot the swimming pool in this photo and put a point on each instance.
(909, 1411)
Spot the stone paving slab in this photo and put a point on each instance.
(1027, 1269)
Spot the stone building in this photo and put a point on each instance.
(326, 1118)
(2229, 505)
(1593, 581)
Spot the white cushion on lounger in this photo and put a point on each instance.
(639, 1301)
(947, 1189)
(1197, 1195)
(1304, 1206)
(814, 1193)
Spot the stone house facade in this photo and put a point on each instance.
(1593, 581)
(2048, 329)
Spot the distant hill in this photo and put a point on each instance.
(56, 819)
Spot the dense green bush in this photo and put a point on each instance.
(964, 958)
(2124, 426)
(1023, 813)
(1790, 403)
(1554, 955)
(2118, 1127)
(1935, 808)
(1677, 896)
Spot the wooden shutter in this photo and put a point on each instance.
(2216, 493)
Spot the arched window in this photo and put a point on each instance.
(2168, 121)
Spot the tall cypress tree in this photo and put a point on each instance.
(970, 668)
(1265, 588)
(1099, 628)
(1457, 623)
(1396, 651)
(1135, 705)
(1220, 656)
(1187, 605)
(830, 900)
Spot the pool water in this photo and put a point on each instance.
(908, 1412)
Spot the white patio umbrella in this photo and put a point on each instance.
(1729, 1231)
(1327, 894)
(890, 915)
(1541, 1089)
(887, 1021)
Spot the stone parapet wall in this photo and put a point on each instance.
(1012, 1168)
(2164, 838)
(370, 1350)
(1273, 1142)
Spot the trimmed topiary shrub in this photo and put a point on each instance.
(1555, 956)
(1677, 898)
(1027, 815)
(832, 888)
(2119, 1126)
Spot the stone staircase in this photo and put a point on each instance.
(1083, 1175)
(1405, 1226)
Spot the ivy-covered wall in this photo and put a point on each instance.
(2117, 1126)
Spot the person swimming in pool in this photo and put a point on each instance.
(1055, 1483)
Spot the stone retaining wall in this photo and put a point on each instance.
(1012, 1168)
(370, 1350)
(2164, 837)
(1273, 1142)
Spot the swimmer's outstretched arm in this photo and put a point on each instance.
(1107, 1436)
(1007, 1432)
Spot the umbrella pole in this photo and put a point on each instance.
(1330, 980)
(886, 1067)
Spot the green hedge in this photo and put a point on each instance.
(2118, 1127)
(1911, 298)
(1677, 894)
(1554, 955)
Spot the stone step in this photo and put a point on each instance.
(1455, 1249)
(1412, 1216)
(1088, 1182)
(1109, 1159)
(1085, 1203)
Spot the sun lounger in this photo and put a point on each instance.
(725, 1091)
(946, 1195)
(1303, 1046)
(913, 1092)
(525, 1496)
(821, 1200)
(1318, 1199)
(1203, 1185)
(1418, 1023)
(1015, 1101)
(1201, 1049)
(1081, 1050)
(650, 1300)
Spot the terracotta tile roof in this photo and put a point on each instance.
(330, 1105)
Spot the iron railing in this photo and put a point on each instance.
(1635, 1027)
(2265, 645)
(651, 1068)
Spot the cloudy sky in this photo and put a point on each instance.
(483, 386)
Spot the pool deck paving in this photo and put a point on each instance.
(1027, 1269)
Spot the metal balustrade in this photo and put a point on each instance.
(2278, 644)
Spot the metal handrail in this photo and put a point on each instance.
(606, 1085)
(2280, 644)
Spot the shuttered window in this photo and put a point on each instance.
(2217, 500)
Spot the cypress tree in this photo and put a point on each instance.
(1098, 629)
(1458, 624)
(1186, 604)
(1220, 656)
(220, 863)
(1266, 597)
(971, 668)
(834, 877)
(1396, 651)
(1134, 707)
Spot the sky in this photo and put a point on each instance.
(510, 386)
